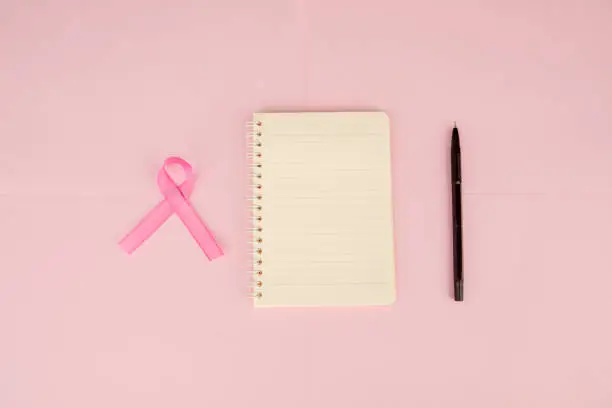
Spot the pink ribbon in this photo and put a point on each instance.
(176, 201)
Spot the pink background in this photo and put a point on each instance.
(95, 94)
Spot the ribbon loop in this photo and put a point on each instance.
(176, 200)
(165, 182)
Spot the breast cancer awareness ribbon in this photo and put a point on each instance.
(176, 201)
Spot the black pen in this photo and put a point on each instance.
(457, 221)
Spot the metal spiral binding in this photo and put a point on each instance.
(255, 144)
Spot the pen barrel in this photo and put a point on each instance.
(455, 163)
(457, 232)
(457, 221)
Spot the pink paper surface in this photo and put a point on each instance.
(95, 95)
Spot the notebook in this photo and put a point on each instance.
(322, 209)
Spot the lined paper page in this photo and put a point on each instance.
(327, 209)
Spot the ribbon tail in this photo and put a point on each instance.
(198, 230)
(146, 227)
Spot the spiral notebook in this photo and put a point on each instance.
(322, 209)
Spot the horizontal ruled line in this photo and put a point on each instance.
(330, 135)
(328, 284)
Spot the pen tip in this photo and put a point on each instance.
(454, 124)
